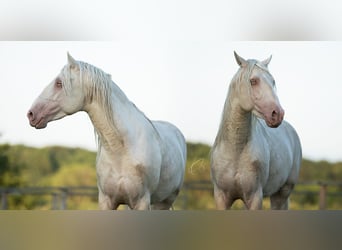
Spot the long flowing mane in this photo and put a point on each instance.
(97, 86)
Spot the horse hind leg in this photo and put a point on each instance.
(166, 204)
(280, 200)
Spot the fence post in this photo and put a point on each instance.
(54, 201)
(64, 197)
(4, 204)
(322, 196)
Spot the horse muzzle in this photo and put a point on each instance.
(276, 118)
(36, 121)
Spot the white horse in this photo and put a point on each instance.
(140, 162)
(255, 154)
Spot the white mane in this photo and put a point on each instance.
(97, 86)
(241, 77)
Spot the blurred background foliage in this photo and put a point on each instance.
(55, 166)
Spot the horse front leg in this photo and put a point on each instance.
(143, 203)
(254, 200)
(280, 200)
(222, 199)
(105, 203)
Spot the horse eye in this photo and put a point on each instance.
(59, 83)
(253, 81)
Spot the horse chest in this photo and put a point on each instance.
(114, 181)
(120, 175)
(114, 174)
(236, 170)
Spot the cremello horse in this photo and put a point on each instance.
(256, 153)
(140, 162)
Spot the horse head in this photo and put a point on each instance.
(63, 96)
(257, 91)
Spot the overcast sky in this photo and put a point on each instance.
(174, 60)
(182, 82)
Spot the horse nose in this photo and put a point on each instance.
(30, 115)
(274, 115)
(277, 115)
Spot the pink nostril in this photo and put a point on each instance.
(277, 115)
(30, 115)
(274, 113)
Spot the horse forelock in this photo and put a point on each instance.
(243, 76)
(244, 73)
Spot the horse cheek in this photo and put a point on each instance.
(73, 105)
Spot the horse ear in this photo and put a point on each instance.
(242, 62)
(267, 61)
(71, 60)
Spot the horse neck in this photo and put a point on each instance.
(235, 128)
(113, 124)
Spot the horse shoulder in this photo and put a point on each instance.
(293, 136)
(295, 149)
(284, 156)
(259, 146)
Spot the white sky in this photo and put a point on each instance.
(182, 82)
(174, 60)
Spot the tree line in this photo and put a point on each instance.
(24, 166)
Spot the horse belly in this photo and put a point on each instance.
(173, 161)
(273, 185)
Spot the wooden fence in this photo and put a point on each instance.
(60, 195)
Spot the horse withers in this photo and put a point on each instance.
(140, 162)
(256, 153)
